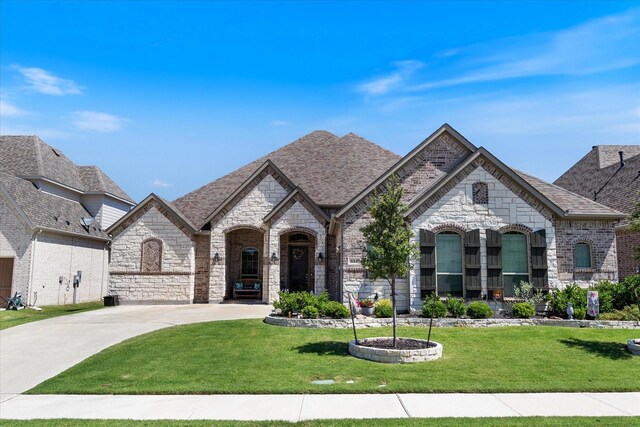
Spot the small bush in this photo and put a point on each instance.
(616, 296)
(523, 310)
(479, 310)
(559, 299)
(456, 307)
(580, 313)
(335, 310)
(433, 307)
(631, 312)
(310, 312)
(383, 308)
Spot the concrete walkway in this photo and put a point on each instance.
(297, 407)
(34, 352)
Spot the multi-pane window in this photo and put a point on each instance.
(583, 255)
(515, 261)
(250, 263)
(449, 264)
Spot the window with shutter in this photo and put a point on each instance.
(494, 259)
(151, 256)
(449, 264)
(427, 263)
(515, 261)
(539, 277)
(472, 264)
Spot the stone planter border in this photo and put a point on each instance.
(373, 322)
(383, 355)
(634, 346)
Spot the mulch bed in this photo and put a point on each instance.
(402, 343)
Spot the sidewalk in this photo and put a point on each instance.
(298, 407)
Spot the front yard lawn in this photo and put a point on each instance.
(9, 318)
(248, 356)
(392, 422)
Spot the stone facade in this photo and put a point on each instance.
(600, 235)
(627, 245)
(174, 283)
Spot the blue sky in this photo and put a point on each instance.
(167, 96)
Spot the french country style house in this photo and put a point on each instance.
(291, 221)
(53, 217)
(610, 174)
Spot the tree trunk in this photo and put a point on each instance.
(393, 304)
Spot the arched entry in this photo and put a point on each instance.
(297, 261)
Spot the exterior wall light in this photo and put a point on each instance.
(274, 257)
(216, 257)
(320, 258)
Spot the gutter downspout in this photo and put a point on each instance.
(33, 261)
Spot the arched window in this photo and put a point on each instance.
(449, 264)
(151, 256)
(299, 237)
(583, 255)
(250, 263)
(515, 261)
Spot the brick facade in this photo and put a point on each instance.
(627, 245)
(15, 243)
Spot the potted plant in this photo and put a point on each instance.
(366, 306)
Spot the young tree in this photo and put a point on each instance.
(388, 239)
(634, 224)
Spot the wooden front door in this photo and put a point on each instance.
(298, 268)
(6, 276)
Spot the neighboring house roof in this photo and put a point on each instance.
(330, 169)
(600, 176)
(27, 156)
(47, 211)
(560, 201)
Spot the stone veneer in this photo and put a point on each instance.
(627, 246)
(174, 283)
(601, 237)
(384, 355)
(455, 211)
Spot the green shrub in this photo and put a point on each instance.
(616, 296)
(456, 307)
(433, 307)
(310, 312)
(523, 310)
(383, 308)
(631, 312)
(580, 313)
(335, 310)
(294, 302)
(479, 310)
(559, 299)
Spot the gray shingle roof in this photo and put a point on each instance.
(331, 170)
(29, 156)
(46, 210)
(598, 176)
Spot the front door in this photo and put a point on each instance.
(6, 277)
(298, 268)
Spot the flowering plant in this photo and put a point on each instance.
(365, 303)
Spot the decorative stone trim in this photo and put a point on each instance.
(171, 216)
(243, 227)
(154, 273)
(457, 228)
(383, 355)
(520, 228)
(374, 322)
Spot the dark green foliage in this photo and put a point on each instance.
(383, 308)
(631, 312)
(294, 302)
(573, 293)
(616, 296)
(580, 313)
(335, 310)
(456, 307)
(433, 307)
(310, 312)
(523, 310)
(479, 310)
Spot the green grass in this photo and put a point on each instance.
(10, 318)
(413, 422)
(248, 356)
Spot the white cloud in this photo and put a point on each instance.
(160, 183)
(603, 44)
(8, 109)
(384, 84)
(279, 123)
(97, 121)
(42, 81)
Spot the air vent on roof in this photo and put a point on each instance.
(56, 152)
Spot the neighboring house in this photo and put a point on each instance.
(291, 221)
(610, 174)
(53, 214)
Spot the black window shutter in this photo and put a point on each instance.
(494, 259)
(427, 262)
(539, 277)
(472, 263)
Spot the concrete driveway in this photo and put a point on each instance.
(34, 352)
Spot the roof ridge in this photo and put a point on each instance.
(38, 152)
